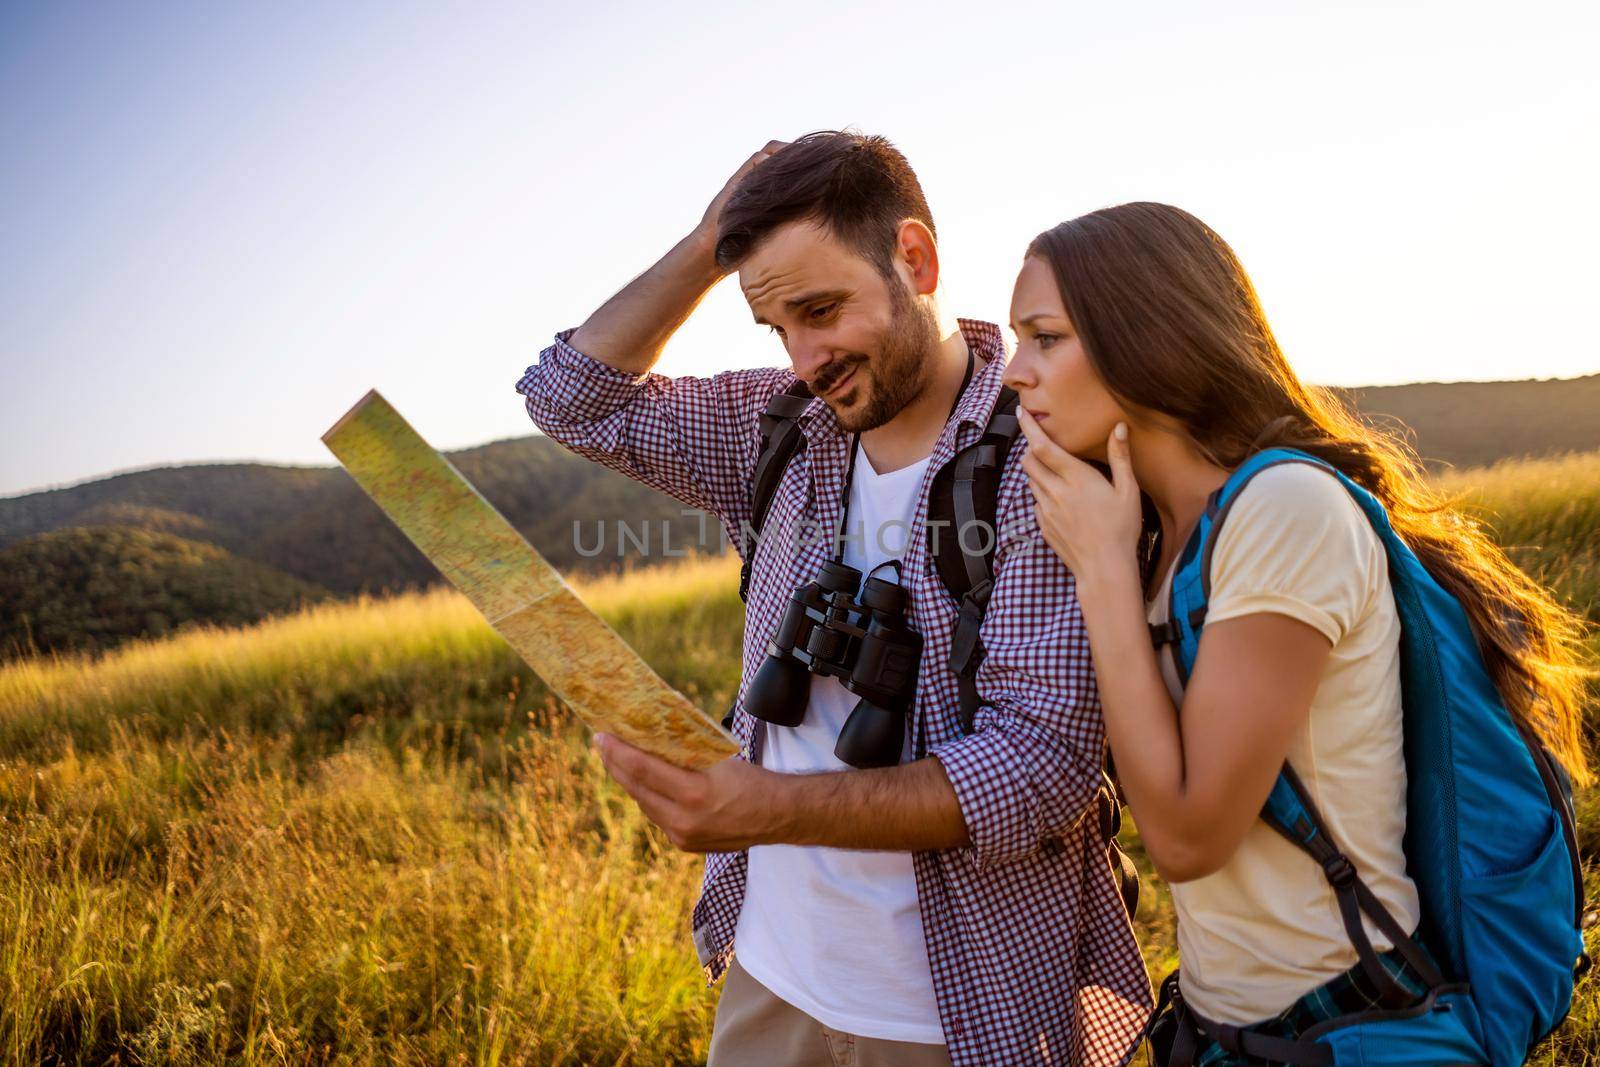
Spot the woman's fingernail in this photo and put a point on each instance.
(1121, 431)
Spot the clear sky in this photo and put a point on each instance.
(222, 223)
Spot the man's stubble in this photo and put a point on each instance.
(903, 367)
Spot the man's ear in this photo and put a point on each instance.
(918, 254)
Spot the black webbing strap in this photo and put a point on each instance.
(1123, 869)
(1185, 1043)
(963, 500)
(974, 492)
(780, 440)
(1258, 1046)
(1176, 1034)
(1355, 897)
(966, 648)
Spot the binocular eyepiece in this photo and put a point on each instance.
(862, 641)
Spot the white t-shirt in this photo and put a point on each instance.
(837, 932)
(1265, 929)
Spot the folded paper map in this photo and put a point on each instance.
(523, 597)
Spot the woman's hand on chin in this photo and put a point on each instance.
(1091, 523)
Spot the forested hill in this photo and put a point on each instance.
(315, 530)
(315, 524)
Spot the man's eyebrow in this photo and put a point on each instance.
(808, 298)
(813, 297)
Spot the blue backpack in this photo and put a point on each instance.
(1490, 836)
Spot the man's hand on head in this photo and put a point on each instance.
(727, 807)
(628, 331)
(707, 230)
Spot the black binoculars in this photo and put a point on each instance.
(864, 643)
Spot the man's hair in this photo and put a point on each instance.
(859, 187)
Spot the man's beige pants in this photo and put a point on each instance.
(756, 1028)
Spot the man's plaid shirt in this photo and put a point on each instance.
(1032, 955)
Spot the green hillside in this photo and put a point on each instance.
(315, 525)
(89, 588)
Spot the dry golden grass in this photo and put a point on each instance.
(361, 833)
(1547, 514)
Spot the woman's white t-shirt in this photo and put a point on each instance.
(1265, 929)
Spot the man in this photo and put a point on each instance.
(956, 908)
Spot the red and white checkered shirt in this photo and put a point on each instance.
(1033, 958)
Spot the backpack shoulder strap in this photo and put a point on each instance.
(1289, 809)
(780, 440)
(962, 504)
(1190, 587)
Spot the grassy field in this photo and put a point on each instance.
(364, 833)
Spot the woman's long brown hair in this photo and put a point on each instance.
(1171, 323)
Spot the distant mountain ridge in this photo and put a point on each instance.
(1473, 424)
(315, 524)
(313, 527)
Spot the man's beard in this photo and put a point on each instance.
(900, 371)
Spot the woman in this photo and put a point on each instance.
(1141, 345)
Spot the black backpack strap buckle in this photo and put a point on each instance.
(1340, 872)
(965, 646)
(744, 574)
(1165, 633)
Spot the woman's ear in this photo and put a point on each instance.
(919, 253)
